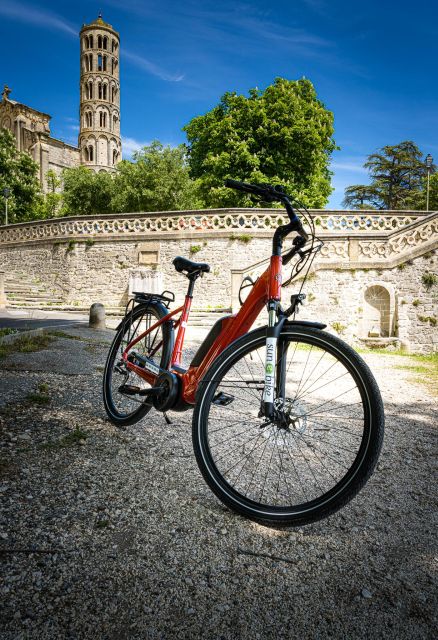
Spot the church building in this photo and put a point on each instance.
(99, 142)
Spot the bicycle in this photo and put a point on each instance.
(288, 420)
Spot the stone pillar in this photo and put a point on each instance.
(97, 316)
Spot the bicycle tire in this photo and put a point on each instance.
(135, 322)
(294, 442)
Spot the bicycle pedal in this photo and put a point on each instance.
(167, 419)
(129, 389)
(222, 399)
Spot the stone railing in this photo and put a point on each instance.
(257, 221)
(361, 250)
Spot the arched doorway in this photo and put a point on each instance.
(377, 315)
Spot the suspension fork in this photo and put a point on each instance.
(275, 370)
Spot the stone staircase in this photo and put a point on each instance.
(29, 294)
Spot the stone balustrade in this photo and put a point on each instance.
(255, 221)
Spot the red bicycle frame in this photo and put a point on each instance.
(267, 288)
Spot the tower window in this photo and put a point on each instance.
(99, 62)
(113, 65)
(104, 92)
(89, 90)
(88, 119)
(113, 94)
(90, 153)
(115, 154)
(102, 119)
(114, 122)
(104, 59)
(85, 44)
(105, 42)
(90, 62)
(100, 91)
(99, 42)
(90, 41)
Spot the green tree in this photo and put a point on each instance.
(51, 204)
(86, 192)
(418, 199)
(397, 175)
(19, 173)
(280, 135)
(360, 196)
(157, 180)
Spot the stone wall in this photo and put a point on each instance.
(94, 259)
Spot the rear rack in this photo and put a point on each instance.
(167, 297)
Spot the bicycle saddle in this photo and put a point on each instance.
(182, 264)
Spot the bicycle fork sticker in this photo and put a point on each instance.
(271, 356)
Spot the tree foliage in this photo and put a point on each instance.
(397, 178)
(86, 192)
(18, 173)
(157, 180)
(280, 135)
(418, 199)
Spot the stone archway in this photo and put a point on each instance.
(378, 312)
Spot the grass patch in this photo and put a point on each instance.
(101, 524)
(70, 440)
(429, 279)
(241, 237)
(41, 396)
(25, 344)
(425, 373)
(62, 334)
(7, 331)
(38, 398)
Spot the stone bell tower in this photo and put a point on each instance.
(99, 133)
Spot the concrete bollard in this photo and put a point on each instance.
(2, 290)
(97, 316)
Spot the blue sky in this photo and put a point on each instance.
(373, 64)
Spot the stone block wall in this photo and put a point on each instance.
(92, 260)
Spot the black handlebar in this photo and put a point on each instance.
(272, 193)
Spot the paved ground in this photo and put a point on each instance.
(112, 534)
(23, 320)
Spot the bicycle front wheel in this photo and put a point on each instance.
(319, 449)
(123, 409)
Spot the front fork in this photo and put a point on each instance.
(275, 362)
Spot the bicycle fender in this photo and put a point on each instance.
(305, 323)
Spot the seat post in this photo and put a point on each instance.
(192, 279)
(177, 350)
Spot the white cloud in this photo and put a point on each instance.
(129, 145)
(348, 166)
(151, 67)
(35, 15)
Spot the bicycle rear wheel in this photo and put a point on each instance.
(123, 409)
(321, 447)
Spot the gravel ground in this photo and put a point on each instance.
(114, 534)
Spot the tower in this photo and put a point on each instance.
(99, 132)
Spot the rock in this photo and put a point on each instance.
(365, 593)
